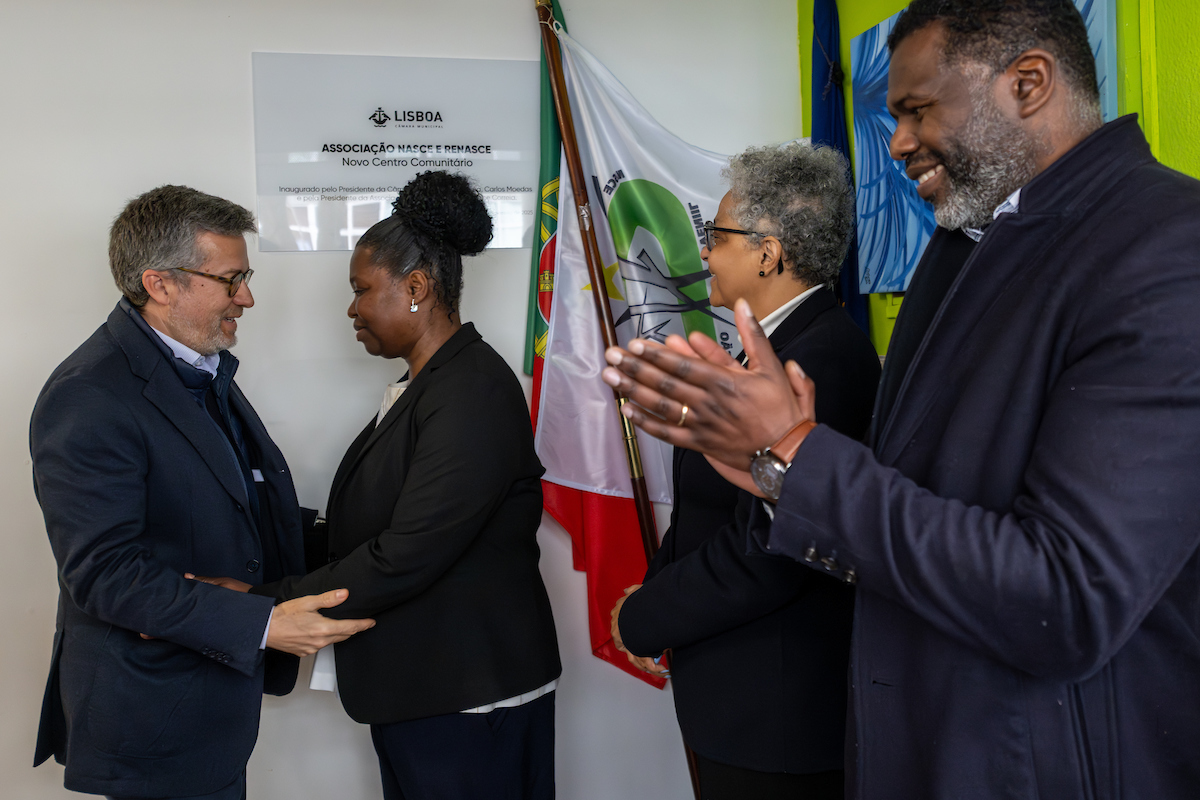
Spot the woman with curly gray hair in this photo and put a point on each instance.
(794, 211)
(760, 645)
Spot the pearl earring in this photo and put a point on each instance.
(413, 307)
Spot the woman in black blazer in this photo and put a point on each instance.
(760, 645)
(432, 520)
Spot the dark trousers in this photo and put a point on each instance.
(506, 754)
(726, 782)
(234, 791)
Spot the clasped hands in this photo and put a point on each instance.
(732, 411)
(298, 626)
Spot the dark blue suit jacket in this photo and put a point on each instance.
(1025, 532)
(138, 485)
(760, 644)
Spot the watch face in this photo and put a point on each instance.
(768, 471)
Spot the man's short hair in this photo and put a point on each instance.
(159, 230)
(995, 32)
(801, 195)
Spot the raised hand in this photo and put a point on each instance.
(692, 394)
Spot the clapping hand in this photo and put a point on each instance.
(691, 393)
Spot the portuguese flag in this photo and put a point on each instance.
(649, 196)
(545, 239)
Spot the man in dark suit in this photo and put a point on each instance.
(149, 463)
(1024, 529)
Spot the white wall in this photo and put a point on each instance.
(102, 101)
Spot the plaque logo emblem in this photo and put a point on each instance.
(380, 117)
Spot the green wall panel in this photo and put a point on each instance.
(1177, 37)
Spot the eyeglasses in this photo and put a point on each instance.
(233, 283)
(709, 228)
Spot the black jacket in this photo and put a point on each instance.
(1025, 531)
(433, 517)
(760, 643)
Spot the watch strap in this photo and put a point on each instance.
(786, 448)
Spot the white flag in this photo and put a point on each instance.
(650, 194)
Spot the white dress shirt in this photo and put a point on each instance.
(773, 320)
(208, 363)
(1011, 205)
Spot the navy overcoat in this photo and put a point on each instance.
(138, 485)
(1024, 532)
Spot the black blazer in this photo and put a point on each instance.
(433, 517)
(760, 643)
(1026, 532)
(138, 485)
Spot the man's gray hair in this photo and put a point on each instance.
(801, 195)
(159, 231)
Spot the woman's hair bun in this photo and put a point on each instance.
(446, 209)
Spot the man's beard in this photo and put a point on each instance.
(202, 335)
(991, 158)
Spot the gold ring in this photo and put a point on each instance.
(682, 417)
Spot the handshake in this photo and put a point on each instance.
(298, 626)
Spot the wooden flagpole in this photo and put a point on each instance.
(608, 331)
(595, 266)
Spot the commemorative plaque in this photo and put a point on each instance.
(337, 136)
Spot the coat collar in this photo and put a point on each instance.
(461, 338)
(142, 348)
(1011, 250)
(1067, 185)
(464, 336)
(801, 317)
(166, 392)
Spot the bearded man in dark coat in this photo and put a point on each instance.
(1023, 526)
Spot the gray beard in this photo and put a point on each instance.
(205, 342)
(992, 158)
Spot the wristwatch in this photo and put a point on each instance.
(770, 465)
